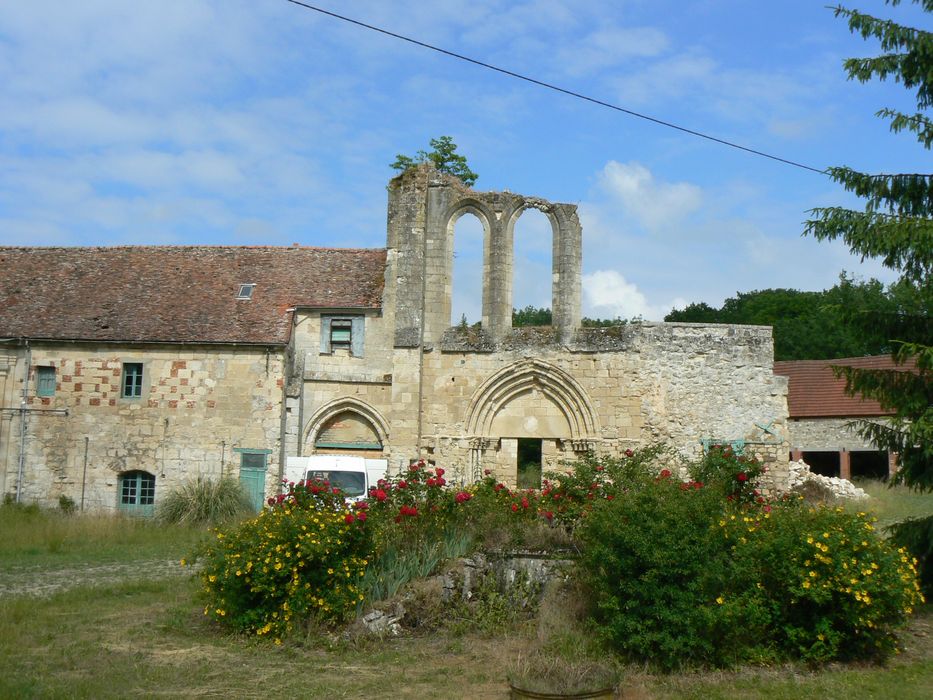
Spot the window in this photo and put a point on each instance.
(45, 381)
(246, 291)
(137, 492)
(132, 384)
(342, 333)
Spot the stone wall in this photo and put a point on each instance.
(677, 383)
(464, 397)
(198, 405)
(825, 434)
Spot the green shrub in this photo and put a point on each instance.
(826, 583)
(205, 502)
(681, 576)
(916, 536)
(655, 566)
(302, 558)
(67, 504)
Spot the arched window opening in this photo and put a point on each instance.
(532, 275)
(347, 432)
(466, 292)
(136, 493)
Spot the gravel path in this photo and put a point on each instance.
(43, 582)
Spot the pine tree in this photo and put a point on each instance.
(445, 158)
(895, 226)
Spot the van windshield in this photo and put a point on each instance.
(352, 484)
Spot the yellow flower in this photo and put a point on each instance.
(720, 600)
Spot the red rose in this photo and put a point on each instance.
(439, 471)
(361, 517)
(487, 472)
(525, 503)
(381, 495)
(441, 481)
(348, 518)
(665, 474)
(432, 481)
(514, 507)
(403, 485)
(742, 476)
(629, 453)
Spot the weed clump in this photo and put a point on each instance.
(205, 502)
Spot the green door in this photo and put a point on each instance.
(253, 480)
(137, 493)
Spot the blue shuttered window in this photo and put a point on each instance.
(342, 333)
(45, 381)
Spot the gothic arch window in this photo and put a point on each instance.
(346, 425)
(468, 233)
(533, 235)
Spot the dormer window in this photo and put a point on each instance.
(246, 291)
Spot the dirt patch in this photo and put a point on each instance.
(43, 582)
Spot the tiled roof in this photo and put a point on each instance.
(178, 294)
(814, 392)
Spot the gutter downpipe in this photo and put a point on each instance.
(22, 424)
(87, 441)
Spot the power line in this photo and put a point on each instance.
(557, 88)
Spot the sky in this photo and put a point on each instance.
(259, 122)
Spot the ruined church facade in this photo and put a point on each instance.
(330, 351)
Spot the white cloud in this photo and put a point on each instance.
(607, 294)
(654, 204)
(610, 46)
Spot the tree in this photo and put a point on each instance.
(807, 325)
(445, 158)
(895, 226)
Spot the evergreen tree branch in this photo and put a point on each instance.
(904, 244)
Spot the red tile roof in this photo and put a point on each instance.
(814, 392)
(178, 294)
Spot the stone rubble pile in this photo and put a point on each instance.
(840, 488)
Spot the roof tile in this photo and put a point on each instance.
(178, 293)
(814, 392)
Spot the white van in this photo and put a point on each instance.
(352, 475)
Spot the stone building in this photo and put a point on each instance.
(820, 429)
(125, 371)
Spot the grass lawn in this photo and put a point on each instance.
(149, 638)
(891, 505)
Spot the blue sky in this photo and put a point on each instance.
(245, 122)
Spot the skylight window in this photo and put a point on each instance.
(246, 291)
